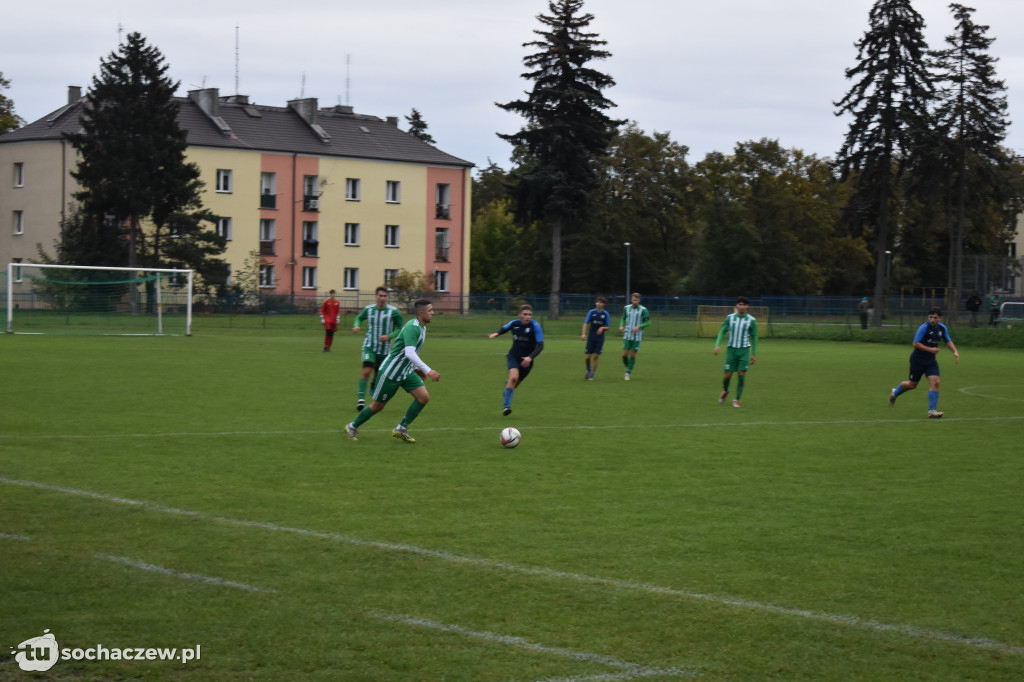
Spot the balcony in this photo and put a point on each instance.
(443, 212)
(441, 254)
(267, 247)
(268, 200)
(310, 248)
(311, 202)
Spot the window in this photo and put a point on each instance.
(389, 277)
(224, 228)
(440, 280)
(268, 228)
(393, 192)
(224, 180)
(351, 234)
(441, 245)
(310, 240)
(391, 236)
(267, 276)
(352, 189)
(444, 198)
(311, 192)
(309, 277)
(268, 190)
(19, 174)
(352, 278)
(19, 222)
(16, 274)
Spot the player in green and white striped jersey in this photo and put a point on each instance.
(741, 352)
(403, 368)
(634, 318)
(381, 320)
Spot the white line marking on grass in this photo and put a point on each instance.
(10, 536)
(968, 390)
(632, 670)
(180, 574)
(553, 427)
(850, 621)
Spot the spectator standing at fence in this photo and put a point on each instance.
(973, 305)
(862, 309)
(993, 308)
(329, 313)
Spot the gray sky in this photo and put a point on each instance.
(710, 73)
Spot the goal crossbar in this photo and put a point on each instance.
(18, 268)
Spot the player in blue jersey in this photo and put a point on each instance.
(599, 322)
(527, 344)
(923, 361)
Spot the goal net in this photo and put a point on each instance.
(79, 299)
(1011, 311)
(710, 318)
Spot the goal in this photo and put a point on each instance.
(710, 318)
(1011, 311)
(80, 299)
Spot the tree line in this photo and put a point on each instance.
(920, 180)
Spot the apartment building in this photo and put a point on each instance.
(330, 199)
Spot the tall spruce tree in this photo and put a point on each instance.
(567, 130)
(889, 104)
(418, 127)
(971, 110)
(136, 187)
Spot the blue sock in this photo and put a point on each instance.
(508, 396)
(933, 400)
(898, 390)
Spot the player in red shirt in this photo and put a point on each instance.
(329, 313)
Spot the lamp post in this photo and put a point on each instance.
(626, 244)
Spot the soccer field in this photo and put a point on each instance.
(199, 493)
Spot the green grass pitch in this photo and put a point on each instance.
(174, 492)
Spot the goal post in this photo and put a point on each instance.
(710, 318)
(85, 299)
(1011, 311)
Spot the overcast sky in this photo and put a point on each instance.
(710, 73)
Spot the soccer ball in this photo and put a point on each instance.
(510, 437)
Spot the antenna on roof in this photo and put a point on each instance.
(348, 65)
(236, 59)
(120, 30)
(302, 88)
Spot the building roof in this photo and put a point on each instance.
(300, 127)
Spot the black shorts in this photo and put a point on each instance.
(595, 342)
(513, 363)
(923, 365)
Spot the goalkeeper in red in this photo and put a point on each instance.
(403, 368)
(329, 313)
(741, 352)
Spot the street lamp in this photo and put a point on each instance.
(888, 264)
(627, 271)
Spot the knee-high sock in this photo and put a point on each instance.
(508, 396)
(411, 413)
(739, 385)
(933, 400)
(363, 383)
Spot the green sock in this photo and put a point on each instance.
(632, 361)
(413, 412)
(363, 417)
(725, 384)
(739, 385)
(362, 388)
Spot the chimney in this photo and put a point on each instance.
(393, 121)
(306, 108)
(74, 94)
(208, 100)
(343, 109)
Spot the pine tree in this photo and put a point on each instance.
(418, 127)
(971, 112)
(889, 104)
(8, 119)
(132, 169)
(566, 132)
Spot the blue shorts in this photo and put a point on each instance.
(513, 363)
(595, 342)
(923, 365)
